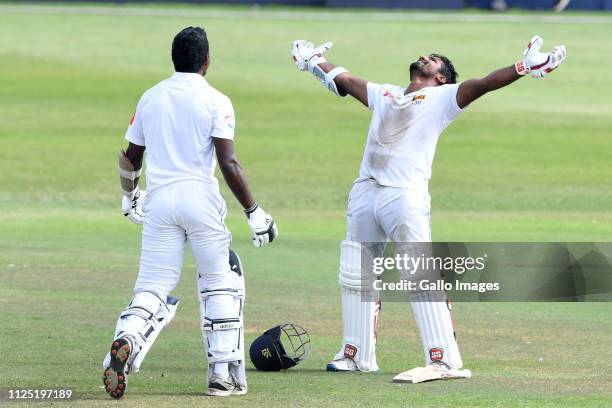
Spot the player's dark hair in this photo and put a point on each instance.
(189, 49)
(448, 69)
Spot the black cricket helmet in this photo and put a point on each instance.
(280, 348)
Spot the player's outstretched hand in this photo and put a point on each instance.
(133, 208)
(305, 54)
(263, 226)
(538, 63)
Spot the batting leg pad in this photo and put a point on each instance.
(142, 321)
(221, 323)
(360, 308)
(437, 333)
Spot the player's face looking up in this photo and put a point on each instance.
(434, 66)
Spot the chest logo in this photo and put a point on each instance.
(418, 99)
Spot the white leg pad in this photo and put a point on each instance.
(437, 333)
(359, 316)
(222, 328)
(142, 321)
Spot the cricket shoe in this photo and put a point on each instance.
(219, 386)
(343, 364)
(435, 371)
(115, 375)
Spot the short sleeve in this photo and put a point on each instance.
(448, 101)
(135, 133)
(373, 94)
(224, 121)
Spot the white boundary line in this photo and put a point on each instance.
(324, 15)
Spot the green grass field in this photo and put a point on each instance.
(528, 163)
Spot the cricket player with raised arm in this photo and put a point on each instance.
(389, 200)
(183, 122)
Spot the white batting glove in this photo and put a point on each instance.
(306, 56)
(263, 226)
(132, 208)
(538, 63)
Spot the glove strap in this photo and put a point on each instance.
(133, 195)
(522, 68)
(251, 210)
(314, 61)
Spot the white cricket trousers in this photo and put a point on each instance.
(377, 214)
(191, 211)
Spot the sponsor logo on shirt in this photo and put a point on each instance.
(391, 95)
(418, 99)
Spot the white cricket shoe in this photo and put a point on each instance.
(224, 387)
(435, 371)
(343, 364)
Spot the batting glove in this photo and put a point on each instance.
(263, 226)
(537, 63)
(132, 208)
(306, 56)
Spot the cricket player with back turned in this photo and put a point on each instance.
(183, 122)
(389, 200)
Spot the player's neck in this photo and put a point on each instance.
(418, 83)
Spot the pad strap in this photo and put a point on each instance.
(137, 311)
(221, 292)
(230, 323)
(221, 324)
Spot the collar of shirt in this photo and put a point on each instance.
(188, 76)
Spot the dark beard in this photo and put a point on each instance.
(415, 69)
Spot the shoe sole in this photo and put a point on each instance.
(213, 392)
(333, 369)
(115, 379)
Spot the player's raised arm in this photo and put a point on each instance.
(263, 226)
(534, 62)
(337, 79)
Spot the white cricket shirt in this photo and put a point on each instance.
(404, 131)
(176, 121)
